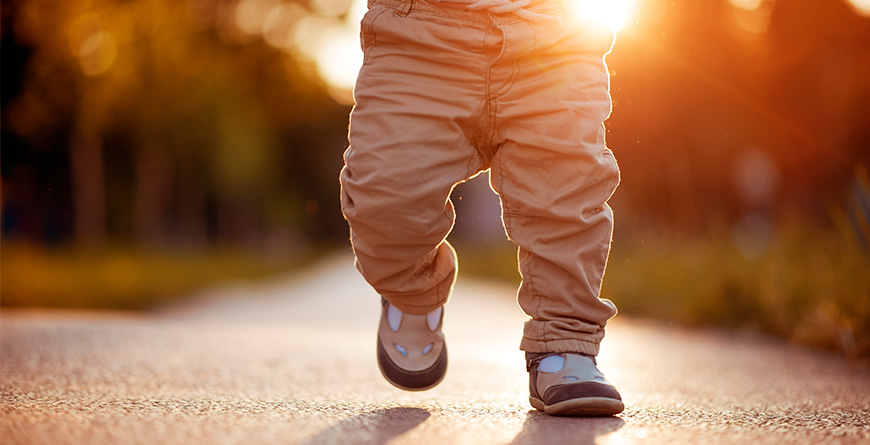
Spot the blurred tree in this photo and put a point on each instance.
(187, 122)
(196, 130)
(700, 85)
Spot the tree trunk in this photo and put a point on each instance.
(88, 190)
(153, 189)
(192, 217)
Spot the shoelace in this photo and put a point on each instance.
(516, 7)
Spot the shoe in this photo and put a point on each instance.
(411, 352)
(577, 389)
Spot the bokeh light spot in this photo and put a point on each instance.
(312, 207)
(332, 7)
(748, 5)
(97, 52)
(755, 20)
(251, 15)
(756, 177)
(280, 23)
(80, 29)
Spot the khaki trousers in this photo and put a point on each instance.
(445, 93)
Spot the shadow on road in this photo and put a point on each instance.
(540, 428)
(375, 427)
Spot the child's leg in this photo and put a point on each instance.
(554, 175)
(418, 104)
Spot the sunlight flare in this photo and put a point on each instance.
(748, 5)
(341, 67)
(614, 13)
(338, 55)
(862, 7)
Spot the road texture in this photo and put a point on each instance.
(293, 361)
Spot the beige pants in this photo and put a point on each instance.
(445, 93)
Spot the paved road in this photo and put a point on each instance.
(292, 361)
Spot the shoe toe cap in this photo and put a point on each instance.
(412, 380)
(580, 390)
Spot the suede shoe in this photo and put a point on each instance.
(577, 389)
(411, 353)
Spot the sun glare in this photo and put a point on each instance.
(614, 13)
(338, 56)
(340, 67)
(749, 5)
(862, 7)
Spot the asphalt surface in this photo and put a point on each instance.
(293, 361)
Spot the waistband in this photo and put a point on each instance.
(461, 11)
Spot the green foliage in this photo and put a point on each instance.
(809, 286)
(123, 278)
(187, 120)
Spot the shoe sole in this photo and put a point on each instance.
(406, 388)
(582, 407)
(439, 368)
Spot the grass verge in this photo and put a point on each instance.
(811, 287)
(122, 278)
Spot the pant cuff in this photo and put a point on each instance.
(562, 345)
(422, 303)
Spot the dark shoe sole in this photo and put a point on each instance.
(412, 380)
(581, 407)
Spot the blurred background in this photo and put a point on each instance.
(154, 147)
